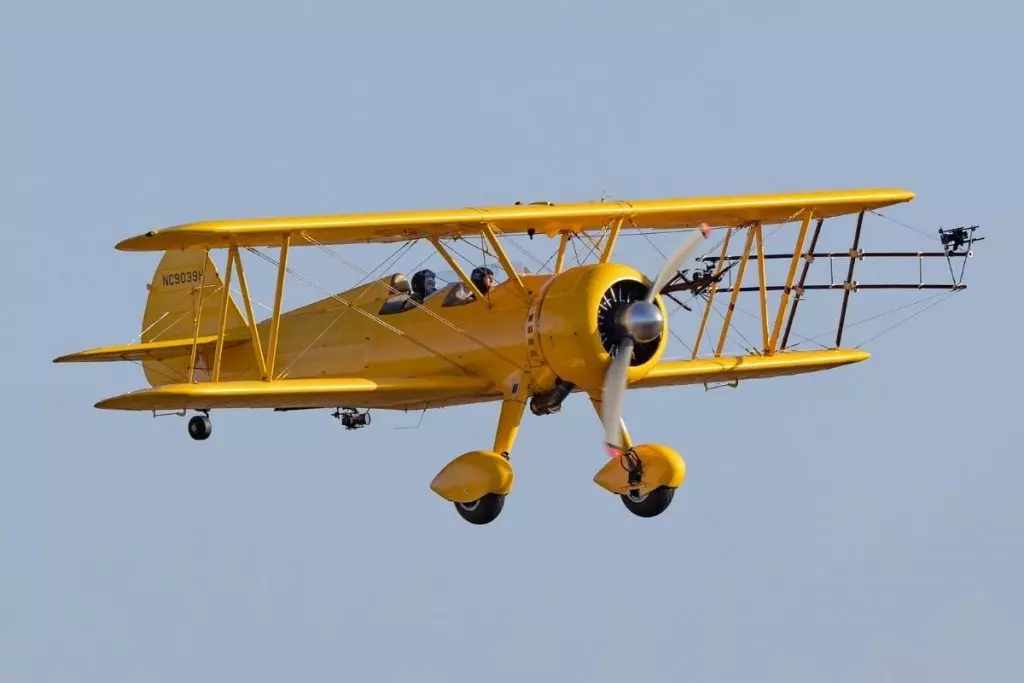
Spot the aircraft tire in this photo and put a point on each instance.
(200, 427)
(483, 510)
(651, 505)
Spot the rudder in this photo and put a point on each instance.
(178, 297)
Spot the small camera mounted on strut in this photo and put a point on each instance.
(352, 418)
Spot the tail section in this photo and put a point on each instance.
(186, 289)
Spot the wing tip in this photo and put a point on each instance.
(141, 400)
(136, 242)
(82, 356)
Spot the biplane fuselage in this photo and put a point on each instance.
(533, 338)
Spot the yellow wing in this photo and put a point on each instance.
(347, 392)
(734, 368)
(516, 219)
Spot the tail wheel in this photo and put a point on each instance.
(200, 427)
(482, 510)
(651, 504)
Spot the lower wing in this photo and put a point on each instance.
(732, 368)
(348, 392)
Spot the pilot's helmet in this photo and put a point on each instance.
(482, 277)
(423, 282)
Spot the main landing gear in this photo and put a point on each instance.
(483, 510)
(477, 482)
(649, 504)
(644, 476)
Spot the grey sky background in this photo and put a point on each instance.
(858, 525)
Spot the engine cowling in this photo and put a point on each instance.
(577, 324)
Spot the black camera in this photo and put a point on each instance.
(352, 418)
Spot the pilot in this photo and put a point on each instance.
(483, 278)
(422, 284)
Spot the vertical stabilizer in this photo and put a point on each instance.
(186, 290)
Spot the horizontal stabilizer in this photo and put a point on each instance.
(151, 351)
(347, 392)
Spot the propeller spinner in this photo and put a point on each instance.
(640, 321)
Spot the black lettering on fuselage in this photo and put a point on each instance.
(182, 277)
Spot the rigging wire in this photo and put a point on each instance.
(367, 314)
(943, 297)
(387, 325)
(388, 262)
(434, 315)
(905, 225)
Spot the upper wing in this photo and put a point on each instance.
(348, 392)
(516, 219)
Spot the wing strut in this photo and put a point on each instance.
(222, 326)
(848, 284)
(254, 331)
(957, 243)
(513, 276)
(457, 268)
(784, 299)
(808, 258)
(275, 320)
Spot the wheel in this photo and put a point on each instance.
(651, 504)
(482, 510)
(200, 427)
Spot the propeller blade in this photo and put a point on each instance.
(612, 395)
(614, 390)
(672, 265)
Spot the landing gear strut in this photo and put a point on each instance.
(477, 482)
(200, 427)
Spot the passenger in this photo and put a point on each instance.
(422, 285)
(483, 278)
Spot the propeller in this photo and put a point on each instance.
(640, 321)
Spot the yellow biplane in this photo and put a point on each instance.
(532, 338)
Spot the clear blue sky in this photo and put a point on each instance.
(871, 533)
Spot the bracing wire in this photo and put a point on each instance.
(455, 328)
(384, 323)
